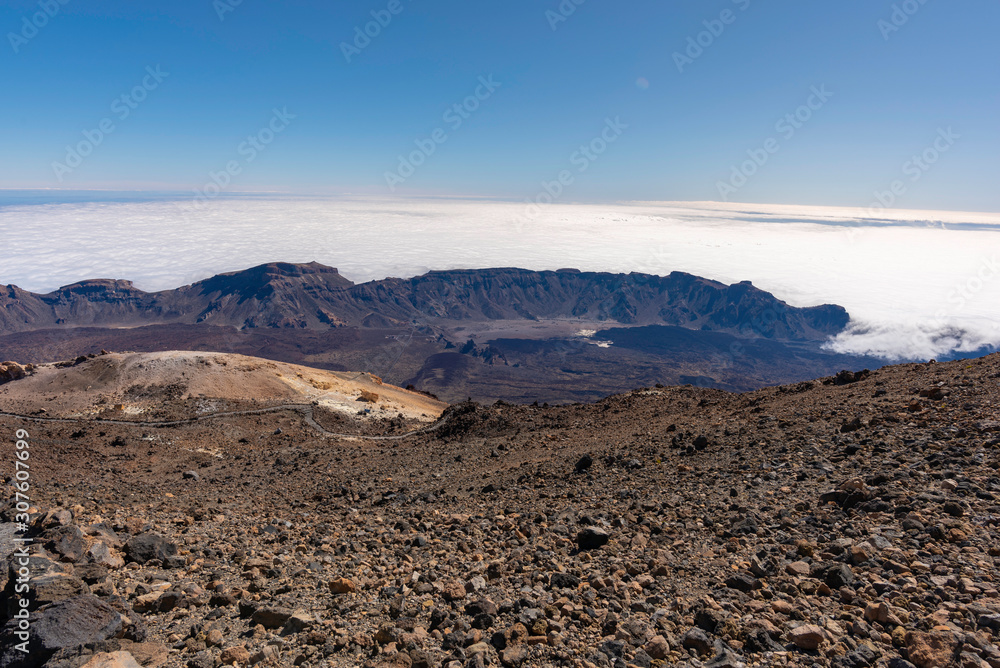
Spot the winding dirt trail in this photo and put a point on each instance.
(305, 409)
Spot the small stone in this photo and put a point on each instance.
(897, 662)
(657, 647)
(725, 658)
(220, 600)
(953, 509)
(201, 660)
(477, 648)
(453, 591)
(564, 581)
(862, 552)
(798, 568)
(877, 612)
(268, 653)
(236, 655)
(697, 640)
(300, 621)
(592, 538)
(99, 553)
(481, 607)
(808, 637)
(782, 607)
(837, 576)
(514, 656)
(271, 617)
(740, 582)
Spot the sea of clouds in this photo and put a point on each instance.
(918, 284)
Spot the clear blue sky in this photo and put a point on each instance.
(686, 130)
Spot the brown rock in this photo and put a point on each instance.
(271, 617)
(453, 591)
(343, 586)
(56, 586)
(877, 612)
(931, 650)
(238, 655)
(368, 397)
(799, 568)
(477, 648)
(517, 633)
(514, 656)
(658, 648)
(862, 552)
(146, 602)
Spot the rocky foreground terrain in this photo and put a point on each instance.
(849, 521)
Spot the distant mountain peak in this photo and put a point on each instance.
(263, 276)
(286, 269)
(93, 285)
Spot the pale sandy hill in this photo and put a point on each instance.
(135, 383)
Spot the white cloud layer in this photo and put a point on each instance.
(918, 284)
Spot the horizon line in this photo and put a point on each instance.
(485, 198)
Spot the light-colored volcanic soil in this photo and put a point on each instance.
(145, 385)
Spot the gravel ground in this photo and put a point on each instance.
(847, 522)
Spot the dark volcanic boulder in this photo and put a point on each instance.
(592, 538)
(272, 617)
(148, 546)
(564, 581)
(55, 587)
(68, 542)
(835, 575)
(63, 625)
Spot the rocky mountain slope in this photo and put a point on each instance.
(849, 521)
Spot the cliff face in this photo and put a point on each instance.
(20, 309)
(271, 295)
(313, 296)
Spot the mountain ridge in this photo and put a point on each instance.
(315, 296)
